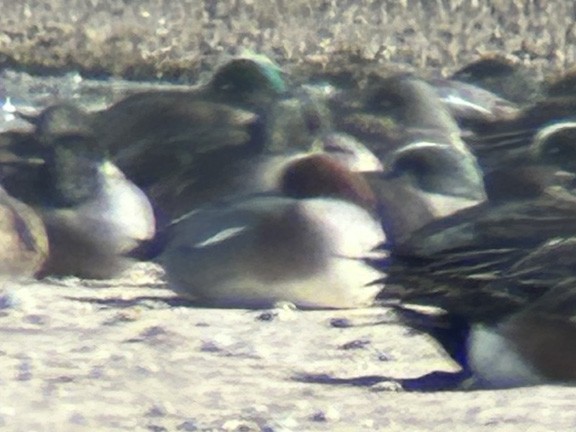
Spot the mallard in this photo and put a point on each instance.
(178, 146)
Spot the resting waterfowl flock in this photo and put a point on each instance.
(452, 200)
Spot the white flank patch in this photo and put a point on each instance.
(495, 363)
(221, 236)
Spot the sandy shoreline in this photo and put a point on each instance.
(126, 355)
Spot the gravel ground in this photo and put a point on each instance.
(127, 355)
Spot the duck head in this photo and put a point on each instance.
(424, 182)
(321, 175)
(72, 156)
(555, 144)
(248, 79)
(501, 76)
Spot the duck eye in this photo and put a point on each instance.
(415, 166)
(429, 170)
(560, 149)
(387, 102)
(313, 120)
(332, 147)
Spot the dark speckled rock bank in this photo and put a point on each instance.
(180, 39)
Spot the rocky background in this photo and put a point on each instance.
(128, 355)
(178, 39)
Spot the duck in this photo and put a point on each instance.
(497, 296)
(24, 239)
(158, 138)
(348, 151)
(493, 291)
(395, 111)
(310, 243)
(179, 146)
(422, 183)
(520, 333)
(502, 76)
(93, 215)
(162, 140)
(471, 106)
(427, 174)
(508, 141)
(543, 161)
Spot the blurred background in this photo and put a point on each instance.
(181, 39)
